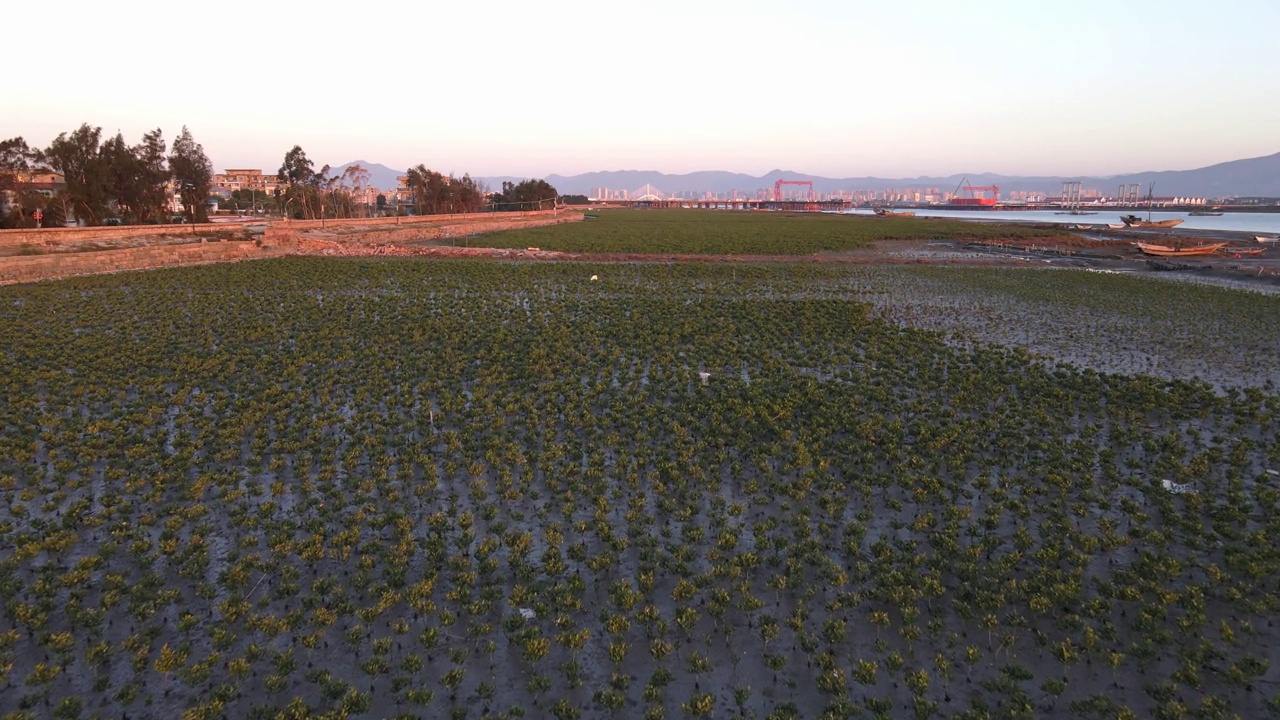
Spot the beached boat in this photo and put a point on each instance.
(1166, 251)
(1117, 226)
(1133, 221)
(1243, 252)
(882, 212)
(1265, 239)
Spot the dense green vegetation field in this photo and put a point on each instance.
(745, 233)
(397, 487)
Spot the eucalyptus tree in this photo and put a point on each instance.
(193, 175)
(138, 176)
(87, 174)
(303, 187)
(16, 160)
(435, 193)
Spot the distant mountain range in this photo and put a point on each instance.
(380, 176)
(385, 178)
(1254, 177)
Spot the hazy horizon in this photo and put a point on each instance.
(828, 89)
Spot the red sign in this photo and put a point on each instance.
(37, 215)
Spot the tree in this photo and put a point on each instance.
(429, 189)
(468, 194)
(117, 160)
(77, 157)
(304, 187)
(150, 196)
(297, 168)
(193, 174)
(355, 177)
(435, 193)
(349, 194)
(16, 159)
(526, 195)
(137, 176)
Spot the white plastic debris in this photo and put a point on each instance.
(1177, 488)
(705, 376)
(528, 613)
(594, 278)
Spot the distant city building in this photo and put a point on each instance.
(45, 182)
(923, 196)
(246, 179)
(1179, 200)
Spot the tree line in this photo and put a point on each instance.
(113, 181)
(307, 193)
(104, 179)
(527, 195)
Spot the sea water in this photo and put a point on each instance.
(1251, 222)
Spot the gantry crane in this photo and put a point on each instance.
(777, 188)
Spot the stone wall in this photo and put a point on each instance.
(31, 268)
(52, 238)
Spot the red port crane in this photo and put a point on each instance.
(777, 188)
(973, 200)
(993, 189)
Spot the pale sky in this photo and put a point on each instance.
(502, 87)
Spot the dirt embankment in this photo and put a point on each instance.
(407, 238)
(29, 255)
(34, 255)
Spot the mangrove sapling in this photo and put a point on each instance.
(930, 431)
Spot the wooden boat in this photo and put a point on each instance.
(882, 212)
(1119, 226)
(1265, 239)
(1239, 252)
(1134, 221)
(1166, 251)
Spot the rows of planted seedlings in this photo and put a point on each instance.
(412, 488)
(745, 233)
